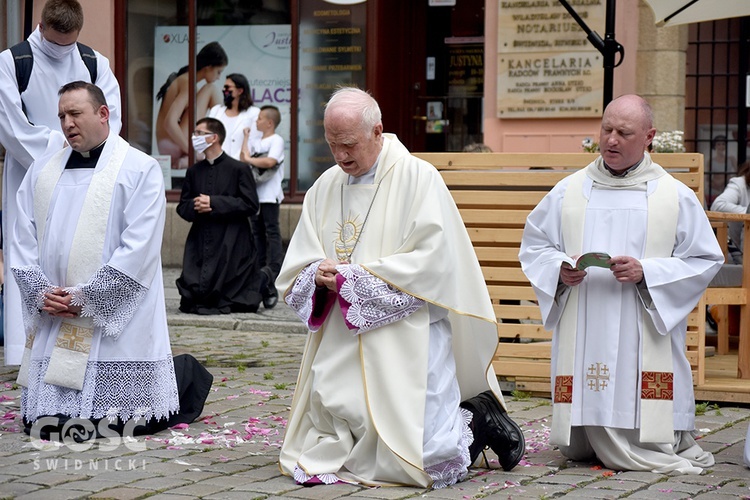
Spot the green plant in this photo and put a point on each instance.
(241, 368)
(520, 395)
(268, 376)
(280, 386)
(264, 343)
(702, 408)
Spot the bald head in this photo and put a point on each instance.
(633, 105)
(353, 130)
(627, 130)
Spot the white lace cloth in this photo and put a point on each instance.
(111, 389)
(301, 477)
(110, 297)
(300, 297)
(374, 303)
(454, 470)
(33, 284)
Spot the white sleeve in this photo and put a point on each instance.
(116, 290)
(106, 81)
(276, 148)
(730, 200)
(676, 283)
(20, 138)
(543, 252)
(31, 280)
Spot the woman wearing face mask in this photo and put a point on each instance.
(236, 114)
(172, 123)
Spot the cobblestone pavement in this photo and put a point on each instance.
(231, 451)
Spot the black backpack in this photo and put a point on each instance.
(24, 60)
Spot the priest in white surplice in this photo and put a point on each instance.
(88, 239)
(621, 382)
(29, 125)
(402, 330)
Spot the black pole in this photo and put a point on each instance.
(744, 70)
(610, 47)
(192, 38)
(607, 47)
(28, 21)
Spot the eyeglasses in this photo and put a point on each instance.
(202, 132)
(227, 87)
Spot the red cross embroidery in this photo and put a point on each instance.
(657, 385)
(564, 389)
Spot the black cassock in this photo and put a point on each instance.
(219, 269)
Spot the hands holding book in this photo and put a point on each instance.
(625, 269)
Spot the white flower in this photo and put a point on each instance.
(668, 142)
(589, 146)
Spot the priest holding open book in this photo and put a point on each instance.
(622, 385)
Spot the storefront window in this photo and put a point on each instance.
(332, 52)
(251, 38)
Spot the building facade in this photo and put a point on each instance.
(518, 76)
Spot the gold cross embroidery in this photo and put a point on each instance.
(74, 338)
(597, 377)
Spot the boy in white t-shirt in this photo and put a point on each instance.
(263, 154)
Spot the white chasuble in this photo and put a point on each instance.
(359, 408)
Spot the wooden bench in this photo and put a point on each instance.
(495, 193)
(735, 295)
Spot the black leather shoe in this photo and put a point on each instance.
(272, 298)
(268, 289)
(493, 427)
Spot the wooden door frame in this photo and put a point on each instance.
(396, 64)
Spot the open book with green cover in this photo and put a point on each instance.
(598, 259)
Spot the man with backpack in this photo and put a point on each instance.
(31, 73)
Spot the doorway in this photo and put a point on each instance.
(427, 72)
(449, 110)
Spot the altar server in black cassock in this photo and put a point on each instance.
(219, 270)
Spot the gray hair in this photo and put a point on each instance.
(358, 101)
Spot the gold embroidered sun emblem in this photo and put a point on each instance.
(346, 239)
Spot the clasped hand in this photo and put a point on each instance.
(625, 270)
(202, 203)
(58, 303)
(326, 274)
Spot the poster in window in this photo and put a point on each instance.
(262, 53)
